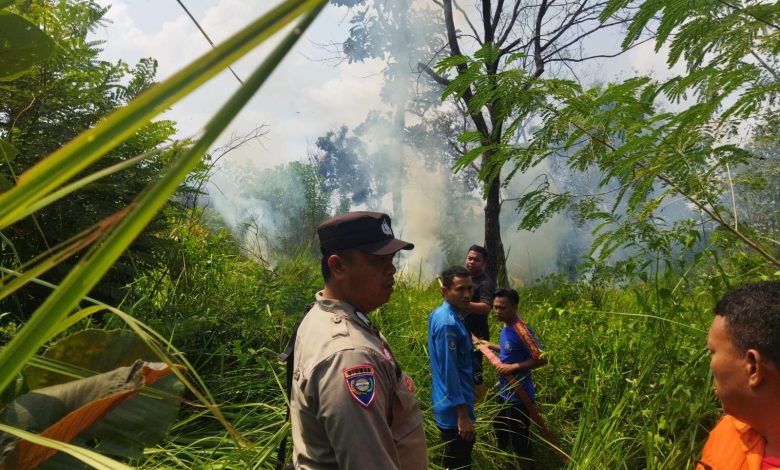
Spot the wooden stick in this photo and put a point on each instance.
(521, 393)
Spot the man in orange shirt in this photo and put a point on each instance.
(744, 344)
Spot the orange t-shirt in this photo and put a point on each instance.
(732, 445)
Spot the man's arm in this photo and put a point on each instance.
(480, 308)
(521, 366)
(355, 394)
(485, 303)
(478, 343)
(465, 426)
(446, 338)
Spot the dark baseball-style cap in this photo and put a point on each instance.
(365, 231)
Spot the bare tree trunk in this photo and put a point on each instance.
(496, 260)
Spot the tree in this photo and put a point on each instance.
(400, 33)
(51, 104)
(535, 39)
(731, 83)
(343, 174)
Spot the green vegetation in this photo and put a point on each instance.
(627, 385)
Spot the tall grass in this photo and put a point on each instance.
(627, 385)
(114, 235)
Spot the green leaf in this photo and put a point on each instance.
(22, 45)
(44, 322)
(142, 421)
(94, 459)
(7, 152)
(8, 3)
(5, 183)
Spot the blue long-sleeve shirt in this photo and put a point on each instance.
(450, 350)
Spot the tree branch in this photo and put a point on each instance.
(432, 73)
(699, 204)
(468, 21)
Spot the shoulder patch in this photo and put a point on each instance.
(361, 384)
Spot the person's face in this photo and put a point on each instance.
(475, 263)
(505, 309)
(730, 369)
(459, 293)
(368, 279)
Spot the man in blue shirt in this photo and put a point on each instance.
(450, 349)
(519, 352)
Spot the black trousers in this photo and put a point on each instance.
(457, 452)
(513, 429)
(476, 365)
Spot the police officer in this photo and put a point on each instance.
(351, 405)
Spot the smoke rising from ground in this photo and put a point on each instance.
(404, 149)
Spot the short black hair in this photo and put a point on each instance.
(479, 249)
(451, 273)
(510, 294)
(752, 314)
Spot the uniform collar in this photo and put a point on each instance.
(340, 306)
(452, 310)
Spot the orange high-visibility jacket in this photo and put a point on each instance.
(732, 445)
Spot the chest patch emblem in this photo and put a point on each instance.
(360, 383)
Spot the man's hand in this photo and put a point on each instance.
(465, 428)
(478, 343)
(504, 369)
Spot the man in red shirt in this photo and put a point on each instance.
(744, 344)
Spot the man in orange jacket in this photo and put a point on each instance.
(744, 344)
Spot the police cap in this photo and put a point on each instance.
(370, 232)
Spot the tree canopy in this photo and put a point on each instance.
(52, 103)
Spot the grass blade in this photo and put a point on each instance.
(98, 461)
(92, 144)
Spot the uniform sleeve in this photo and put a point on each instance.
(354, 391)
(528, 339)
(445, 337)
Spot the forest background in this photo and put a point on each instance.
(653, 196)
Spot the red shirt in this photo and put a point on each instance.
(770, 463)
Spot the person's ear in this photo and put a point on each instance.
(756, 367)
(336, 265)
(443, 290)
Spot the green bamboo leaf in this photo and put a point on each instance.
(97, 461)
(22, 45)
(92, 144)
(93, 266)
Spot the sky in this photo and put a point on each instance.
(310, 93)
(306, 96)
